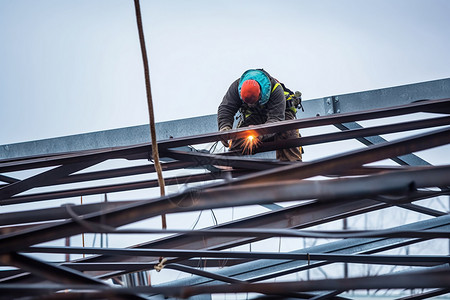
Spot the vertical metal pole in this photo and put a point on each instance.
(345, 227)
(106, 235)
(82, 235)
(67, 244)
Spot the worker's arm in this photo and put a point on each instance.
(275, 109)
(276, 105)
(228, 108)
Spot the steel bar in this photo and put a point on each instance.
(299, 216)
(61, 291)
(136, 151)
(128, 186)
(61, 213)
(129, 171)
(426, 295)
(303, 215)
(8, 179)
(295, 296)
(49, 271)
(428, 279)
(211, 262)
(56, 273)
(245, 195)
(358, 133)
(110, 188)
(259, 270)
(237, 162)
(352, 159)
(80, 292)
(413, 207)
(350, 258)
(50, 175)
(406, 182)
(133, 266)
(202, 273)
(55, 213)
(353, 102)
(110, 266)
(408, 159)
(144, 151)
(306, 214)
(268, 233)
(329, 295)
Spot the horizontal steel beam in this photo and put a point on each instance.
(353, 158)
(408, 159)
(110, 188)
(397, 182)
(357, 133)
(260, 270)
(428, 279)
(144, 151)
(48, 271)
(49, 176)
(360, 101)
(313, 257)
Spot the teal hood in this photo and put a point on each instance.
(262, 79)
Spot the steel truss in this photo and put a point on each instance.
(349, 187)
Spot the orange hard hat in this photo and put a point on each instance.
(250, 91)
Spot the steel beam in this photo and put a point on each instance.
(428, 279)
(50, 175)
(426, 295)
(287, 218)
(241, 190)
(257, 270)
(354, 158)
(358, 133)
(353, 102)
(373, 139)
(420, 260)
(407, 280)
(48, 271)
(396, 182)
(144, 151)
(110, 188)
(204, 159)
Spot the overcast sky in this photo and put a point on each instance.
(69, 67)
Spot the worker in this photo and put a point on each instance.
(260, 99)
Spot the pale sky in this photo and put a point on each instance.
(70, 67)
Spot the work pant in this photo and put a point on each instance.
(288, 154)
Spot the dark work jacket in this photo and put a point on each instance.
(272, 111)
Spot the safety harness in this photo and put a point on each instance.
(293, 102)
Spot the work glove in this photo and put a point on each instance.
(225, 142)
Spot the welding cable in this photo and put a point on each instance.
(155, 153)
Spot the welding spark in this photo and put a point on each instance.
(250, 143)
